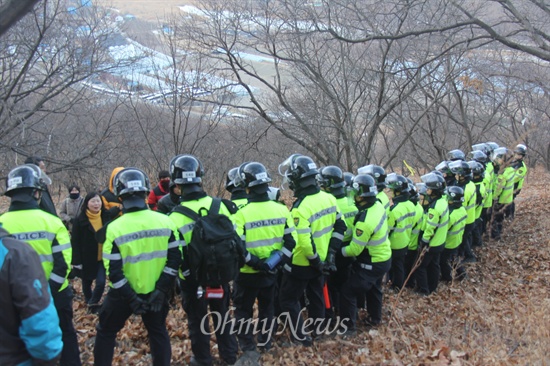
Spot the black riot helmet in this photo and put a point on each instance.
(460, 167)
(364, 185)
(26, 178)
(478, 170)
(252, 174)
(500, 155)
(477, 155)
(397, 183)
(348, 178)
(377, 172)
(456, 154)
(230, 179)
(299, 171)
(129, 181)
(483, 147)
(422, 189)
(434, 182)
(443, 167)
(521, 149)
(455, 194)
(331, 177)
(186, 169)
(491, 146)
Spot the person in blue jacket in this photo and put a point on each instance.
(29, 326)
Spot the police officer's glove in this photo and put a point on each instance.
(137, 304)
(255, 262)
(317, 264)
(156, 300)
(423, 244)
(330, 263)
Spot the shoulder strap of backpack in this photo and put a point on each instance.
(186, 211)
(215, 206)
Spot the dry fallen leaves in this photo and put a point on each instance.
(498, 316)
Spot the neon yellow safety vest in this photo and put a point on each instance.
(348, 210)
(370, 233)
(314, 218)
(470, 202)
(400, 223)
(483, 194)
(141, 240)
(504, 191)
(262, 226)
(383, 198)
(489, 182)
(519, 178)
(436, 222)
(417, 226)
(48, 237)
(457, 222)
(240, 202)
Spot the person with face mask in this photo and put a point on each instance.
(70, 207)
(161, 190)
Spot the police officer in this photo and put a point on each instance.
(268, 231)
(142, 256)
(443, 168)
(371, 247)
(320, 232)
(187, 172)
(331, 180)
(416, 192)
(457, 222)
(488, 182)
(29, 326)
(478, 172)
(504, 189)
(46, 202)
(400, 223)
(48, 236)
(379, 175)
(432, 240)
(464, 180)
(238, 194)
(521, 171)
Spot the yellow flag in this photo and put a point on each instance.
(411, 170)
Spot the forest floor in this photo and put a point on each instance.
(498, 316)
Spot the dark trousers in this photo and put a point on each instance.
(292, 289)
(63, 301)
(244, 298)
(397, 270)
(428, 272)
(498, 219)
(485, 217)
(449, 261)
(477, 233)
(410, 260)
(94, 297)
(199, 328)
(364, 280)
(113, 316)
(465, 248)
(510, 211)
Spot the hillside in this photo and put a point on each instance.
(499, 316)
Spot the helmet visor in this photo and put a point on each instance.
(285, 166)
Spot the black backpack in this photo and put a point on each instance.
(215, 252)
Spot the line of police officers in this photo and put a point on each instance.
(336, 244)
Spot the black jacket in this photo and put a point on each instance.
(46, 203)
(85, 245)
